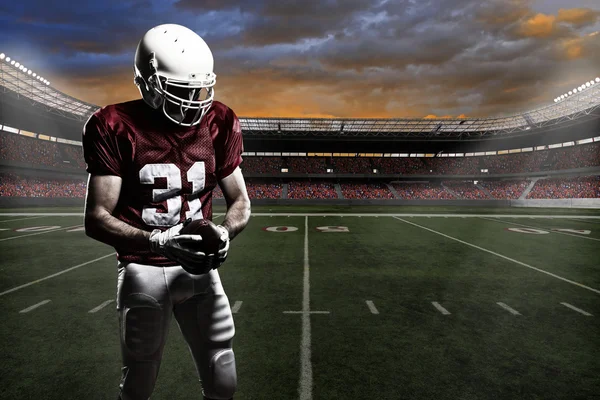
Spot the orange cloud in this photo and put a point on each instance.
(573, 48)
(578, 16)
(540, 26)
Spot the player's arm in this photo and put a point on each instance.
(102, 196)
(238, 203)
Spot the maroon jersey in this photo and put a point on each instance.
(168, 172)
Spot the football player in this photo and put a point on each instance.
(153, 164)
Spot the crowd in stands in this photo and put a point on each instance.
(577, 156)
(75, 154)
(353, 165)
(366, 191)
(46, 153)
(12, 185)
(15, 185)
(311, 190)
(308, 165)
(264, 190)
(507, 189)
(566, 188)
(422, 191)
(30, 150)
(466, 190)
(402, 165)
(453, 166)
(262, 165)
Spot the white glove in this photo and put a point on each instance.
(176, 247)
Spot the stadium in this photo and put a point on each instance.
(385, 258)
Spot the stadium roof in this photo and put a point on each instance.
(20, 82)
(583, 101)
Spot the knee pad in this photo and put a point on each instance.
(222, 379)
(142, 330)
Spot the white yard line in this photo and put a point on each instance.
(33, 307)
(440, 308)
(39, 233)
(236, 307)
(56, 274)
(509, 309)
(501, 256)
(100, 307)
(306, 379)
(20, 219)
(542, 228)
(579, 310)
(372, 307)
(306, 312)
(77, 214)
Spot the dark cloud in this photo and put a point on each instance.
(325, 58)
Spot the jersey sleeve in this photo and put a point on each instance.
(230, 149)
(103, 151)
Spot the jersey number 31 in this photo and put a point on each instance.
(196, 175)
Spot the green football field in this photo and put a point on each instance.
(359, 303)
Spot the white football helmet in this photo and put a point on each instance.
(174, 69)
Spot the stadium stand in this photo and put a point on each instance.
(310, 165)
(262, 165)
(466, 190)
(311, 190)
(422, 191)
(366, 191)
(262, 190)
(13, 185)
(403, 165)
(352, 165)
(566, 188)
(507, 189)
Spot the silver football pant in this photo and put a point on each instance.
(147, 296)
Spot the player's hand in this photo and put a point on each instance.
(177, 247)
(199, 263)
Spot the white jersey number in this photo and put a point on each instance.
(195, 175)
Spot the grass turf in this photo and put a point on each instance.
(408, 350)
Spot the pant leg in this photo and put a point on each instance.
(144, 308)
(206, 322)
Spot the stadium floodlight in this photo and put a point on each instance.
(34, 74)
(555, 100)
(7, 59)
(597, 79)
(17, 65)
(28, 72)
(12, 62)
(566, 95)
(48, 83)
(588, 84)
(2, 55)
(570, 92)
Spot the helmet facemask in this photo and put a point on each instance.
(186, 103)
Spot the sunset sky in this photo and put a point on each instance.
(311, 58)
